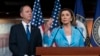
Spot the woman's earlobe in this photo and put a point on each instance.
(71, 19)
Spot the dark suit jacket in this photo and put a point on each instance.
(18, 42)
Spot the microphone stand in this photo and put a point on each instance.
(87, 39)
(55, 36)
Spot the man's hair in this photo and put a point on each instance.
(21, 8)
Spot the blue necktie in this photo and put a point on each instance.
(28, 32)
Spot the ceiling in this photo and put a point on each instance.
(10, 8)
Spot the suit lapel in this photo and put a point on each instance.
(32, 33)
(64, 35)
(23, 32)
(72, 35)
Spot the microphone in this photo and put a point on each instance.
(56, 34)
(87, 39)
(79, 31)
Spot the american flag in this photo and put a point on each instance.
(37, 19)
(55, 13)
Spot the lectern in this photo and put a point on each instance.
(68, 51)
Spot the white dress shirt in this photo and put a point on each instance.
(68, 39)
(24, 24)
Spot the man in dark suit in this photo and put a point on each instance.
(24, 38)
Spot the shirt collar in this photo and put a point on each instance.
(24, 23)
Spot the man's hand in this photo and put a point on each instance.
(48, 25)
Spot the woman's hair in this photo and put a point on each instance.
(73, 22)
